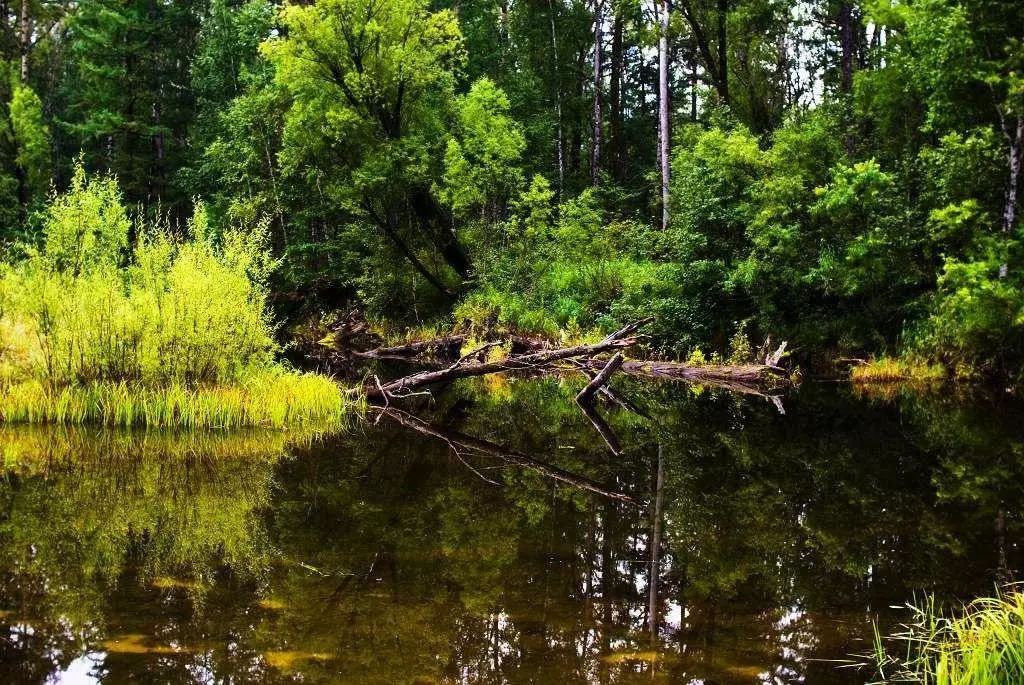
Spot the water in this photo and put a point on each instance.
(384, 556)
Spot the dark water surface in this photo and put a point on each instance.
(384, 556)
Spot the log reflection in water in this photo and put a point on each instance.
(462, 444)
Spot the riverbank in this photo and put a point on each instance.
(272, 400)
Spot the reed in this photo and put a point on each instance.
(278, 399)
(896, 370)
(178, 335)
(982, 645)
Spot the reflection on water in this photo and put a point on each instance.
(748, 546)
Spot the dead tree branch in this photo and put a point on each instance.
(586, 395)
(618, 340)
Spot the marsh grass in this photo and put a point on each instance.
(897, 370)
(173, 331)
(272, 400)
(982, 645)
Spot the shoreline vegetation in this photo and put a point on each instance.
(123, 322)
(280, 400)
(903, 370)
(981, 643)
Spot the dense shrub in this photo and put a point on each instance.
(88, 315)
(184, 310)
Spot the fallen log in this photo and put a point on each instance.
(464, 369)
(585, 400)
(456, 441)
(586, 395)
(746, 378)
(445, 346)
(752, 378)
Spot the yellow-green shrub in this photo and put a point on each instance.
(172, 333)
(183, 311)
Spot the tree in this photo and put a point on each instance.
(598, 86)
(371, 88)
(127, 107)
(663, 109)
(25, 145)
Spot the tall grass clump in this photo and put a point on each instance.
(171, 331)
(983, 645)
(896, 370)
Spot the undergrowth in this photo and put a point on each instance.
(170, 331)
(983, 645)
(896, 369)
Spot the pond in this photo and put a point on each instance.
(498, 538)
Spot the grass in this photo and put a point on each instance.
(983, 645)
(271, 399)
(896, 370)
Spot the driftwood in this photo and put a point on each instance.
(585, 400)
(586, 395)
(461, 443)
(744, 378)
(608, 393)
(441, 346)
(753, 378)
(464, 369)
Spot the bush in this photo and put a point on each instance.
(87, 317)
(184, 311)
(976, 318)
(983, 645)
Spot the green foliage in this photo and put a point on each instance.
(482, 162)
(85, 229)
(975, 317)
(416, 159)
(980, 645)
(90, 339)
(31, 138)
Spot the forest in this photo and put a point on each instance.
(497, 341)
(842, 174)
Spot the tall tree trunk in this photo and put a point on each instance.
(156, 182)
(595, 141)
(846, 46)
(578, 122)
(24, 36)
(503, 44)
(694, 80)
(663, 107)
(1015, 136)
(615, 93)
(723, 52)
(557, 80)
(716, 68)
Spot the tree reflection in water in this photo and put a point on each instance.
(381, 556)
